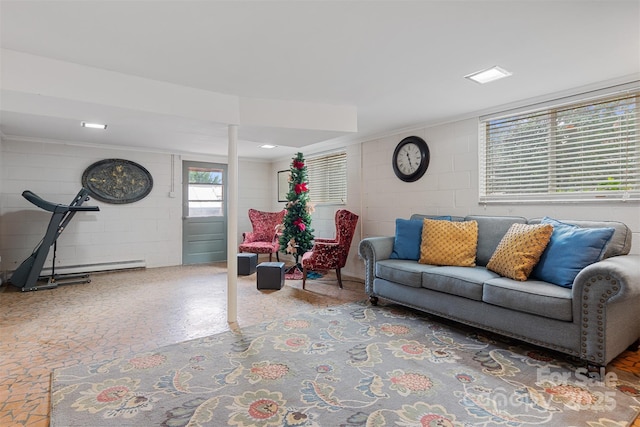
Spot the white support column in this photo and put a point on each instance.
(232, 225)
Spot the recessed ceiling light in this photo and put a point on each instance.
(93, 125)
(268, 146)
(488, 75)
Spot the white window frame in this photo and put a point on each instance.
(531, 166)
(327, 174)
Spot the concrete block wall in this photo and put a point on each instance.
(450, 186)
(149, 230)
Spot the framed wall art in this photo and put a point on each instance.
(117, 181)
(283, 185)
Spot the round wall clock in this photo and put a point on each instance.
(117, 181)
(411, 158)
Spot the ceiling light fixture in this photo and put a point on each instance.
(268, 146)
(488, 75)
(93, 125)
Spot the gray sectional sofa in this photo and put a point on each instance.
(595, 319)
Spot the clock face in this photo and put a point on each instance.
(411, 159)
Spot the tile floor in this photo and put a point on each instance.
(124, 312)
(132, 311)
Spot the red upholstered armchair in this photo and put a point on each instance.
(264, 237)
(329, 254)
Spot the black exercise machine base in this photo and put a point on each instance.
(47, 282)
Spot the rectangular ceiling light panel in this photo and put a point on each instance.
(93, 125)
(488, 75)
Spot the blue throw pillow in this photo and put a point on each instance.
(570, 249)
(407, 241)
(408, 238)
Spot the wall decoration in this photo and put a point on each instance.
(117, 181)
(283, 185)
(411, 159)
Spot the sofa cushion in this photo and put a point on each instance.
(405, 272)
(620, 242)
(491, 229)
(519, 250)
(462, 281)
(406, 244)
(534, 296)
(570, 249)
(449, 243)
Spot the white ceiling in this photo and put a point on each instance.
(399, 63)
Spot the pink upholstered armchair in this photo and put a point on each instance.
(329, 254)
(264, 237)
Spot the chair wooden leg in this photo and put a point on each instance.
(304, 276)
(339, 277)
(270, 257)
(278, 256)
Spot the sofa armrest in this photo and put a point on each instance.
(373, 249)
(606, 297)
(617, 277)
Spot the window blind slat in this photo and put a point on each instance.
(579, 150)
(328, 178)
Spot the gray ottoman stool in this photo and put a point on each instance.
(270, 275)
(247, 263)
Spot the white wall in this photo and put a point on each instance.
(256, 190)
(450, 186)
(149, 230)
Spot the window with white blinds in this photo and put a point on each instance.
(328, 178)
(579, 152)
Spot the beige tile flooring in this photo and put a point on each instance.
(131, 311)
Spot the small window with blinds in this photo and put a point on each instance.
(585, 151)
(328, 178)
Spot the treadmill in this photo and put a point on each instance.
(27, 275)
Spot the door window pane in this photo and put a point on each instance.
(206, 195)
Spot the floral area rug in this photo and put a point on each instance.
(351, 365)
(295, 273)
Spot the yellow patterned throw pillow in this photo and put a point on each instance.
(449, 243)
(520, 250)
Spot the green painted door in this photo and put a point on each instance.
(204, 212)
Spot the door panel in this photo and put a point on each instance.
(204, 212)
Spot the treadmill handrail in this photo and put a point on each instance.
(55, 207)
(43, 204)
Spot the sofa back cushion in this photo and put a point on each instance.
(491, 229)
(620, 242)
(445, 217)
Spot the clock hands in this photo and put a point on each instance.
(409, 158)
